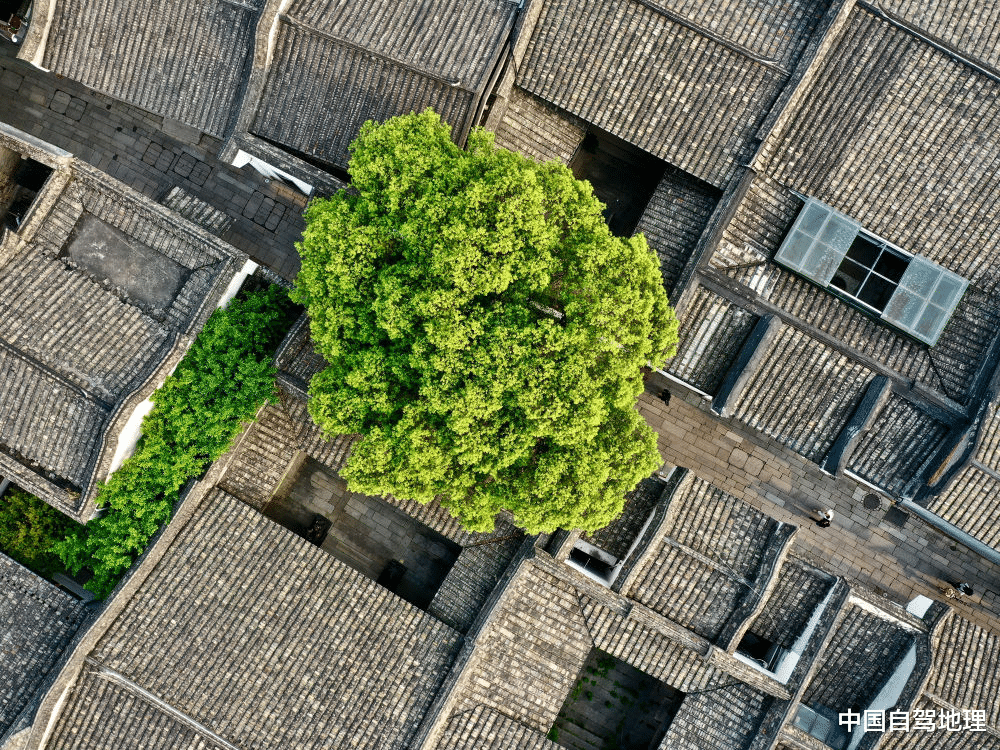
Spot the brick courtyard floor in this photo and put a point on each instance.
(366, 532)
(861, 545)
(263, 218)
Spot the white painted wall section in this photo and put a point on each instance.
(237, 282)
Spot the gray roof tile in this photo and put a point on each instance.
(676, 662)
(799, 590)
(107, 715)
(901, 440)
(536, 128)
(79, 342)
(989, 441)
(674, 219)
(805, 394)
(655, 79)
(727, 715)
(706, 560)
(898, 135)
(969, 27)
(455, 40)
(538, 639)
(178, 60)
(267, 641)
(339, 64)
(863, 653)
(712, 331)
(754, 236)
(919, 739)
(972, 503)
(966, 671)
(46, 422)
(482, 727)
(70, 323)
(37, 621)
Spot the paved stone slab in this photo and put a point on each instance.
(899, 562)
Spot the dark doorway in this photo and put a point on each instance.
(21, 180)
(761, 650)
(623, 177)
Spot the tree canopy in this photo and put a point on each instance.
(484, 331)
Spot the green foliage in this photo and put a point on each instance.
(484, 330)
(28, 529)
(226, 376)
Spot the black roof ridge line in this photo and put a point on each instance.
(457, 84)
(105, 672)
(56, 375)
(770, 64)
(874, 8)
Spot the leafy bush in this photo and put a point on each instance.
(29, 527)
(227, 375)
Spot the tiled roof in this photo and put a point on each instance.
(966, 671)
(707, 560)
(539, 638)
(77, 348)
(899, 135)
(896, 449)
(972, 503)
(48, 423)
(538, 129)
(183, 61)
(297, 357)
(972, 500)
(674, 219)
(726, 715)
(247, 633)
(805, 394)
(989, 442)
(93, 338)
(799, 590)
(474, 575)
(754, 236)
(37, 621)
(863, 653)
(970, 28)
(939, 739)
(338, 64)
(894, 129)
(112, 715)
(678, 662)
(776, 31)
(482, 727)
(712, 331)
(454, 40)
(618, 536)
(675, 81)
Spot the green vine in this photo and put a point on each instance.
(226, 376)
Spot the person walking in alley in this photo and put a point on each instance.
(823, 517)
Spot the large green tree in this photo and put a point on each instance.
(484, 330)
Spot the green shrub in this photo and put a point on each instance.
(227, 375)
(28, 529)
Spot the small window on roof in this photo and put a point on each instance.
(907, 291)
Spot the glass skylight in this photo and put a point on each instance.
(907, 291)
